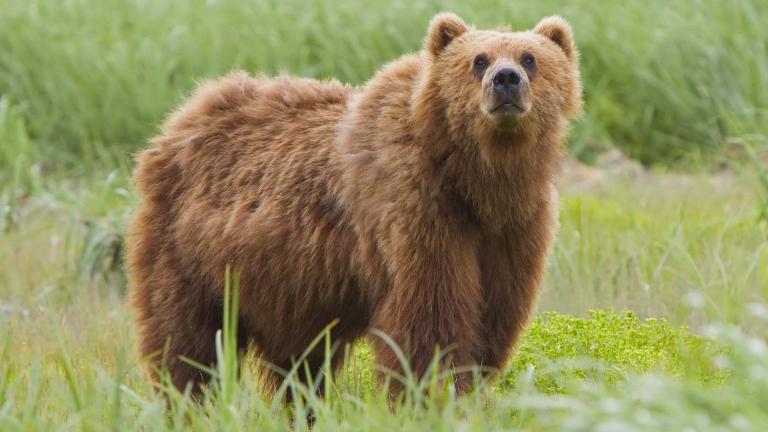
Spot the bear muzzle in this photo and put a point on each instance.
(506, 92)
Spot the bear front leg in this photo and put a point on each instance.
(433, 302)
(512, 264)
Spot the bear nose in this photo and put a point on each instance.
(507, 81)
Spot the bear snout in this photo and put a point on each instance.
(506, 91)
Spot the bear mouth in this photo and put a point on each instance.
(508, 107)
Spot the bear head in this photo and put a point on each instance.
(498, 85)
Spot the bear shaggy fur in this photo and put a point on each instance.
(420, 205)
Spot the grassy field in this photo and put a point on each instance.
(692, 255)
(654, 311)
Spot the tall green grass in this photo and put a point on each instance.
(66, 370)
(87, 379)
(663, 80)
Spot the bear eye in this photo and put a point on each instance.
(480, 63)
(528, 60)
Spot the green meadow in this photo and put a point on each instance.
(654, 311)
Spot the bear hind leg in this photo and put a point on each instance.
(179, 327)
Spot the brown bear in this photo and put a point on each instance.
(420, 205)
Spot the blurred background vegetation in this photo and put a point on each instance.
(666, 214)
(664, 81)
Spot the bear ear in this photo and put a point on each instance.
(558, 31)
(443, 28)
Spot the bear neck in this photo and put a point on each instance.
(502, 176)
